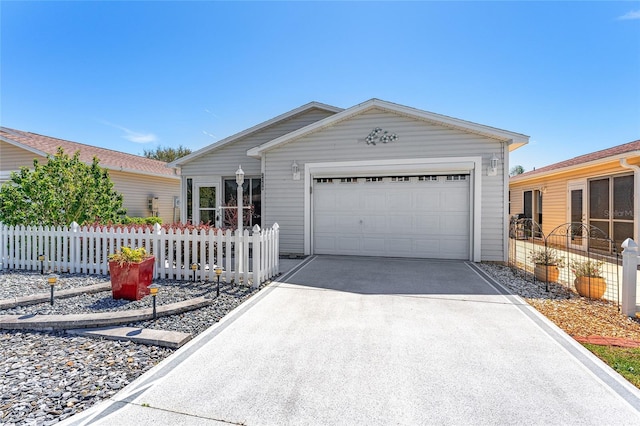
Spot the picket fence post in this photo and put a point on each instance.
(629, 277)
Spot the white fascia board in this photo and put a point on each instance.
(515, 139)
(542, 175)
(138, 172)
(217, 145)
(471, 165)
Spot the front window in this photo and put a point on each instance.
(251, 201)
(189, 200)
(611, 207)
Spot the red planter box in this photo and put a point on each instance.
(131, 281)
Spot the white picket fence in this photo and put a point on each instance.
(247, 257)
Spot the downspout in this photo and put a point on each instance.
(505, 199)
(636, 198)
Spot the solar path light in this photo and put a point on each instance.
(52, 279)
(153, 290)
(194, 268)
(218, 273)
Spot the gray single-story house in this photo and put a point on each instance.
(376, 179)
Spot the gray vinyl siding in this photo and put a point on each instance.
(225, 161)
(284, 197)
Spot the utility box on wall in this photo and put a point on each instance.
(153, 206)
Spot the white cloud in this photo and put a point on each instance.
(634, 14)
(133, 136)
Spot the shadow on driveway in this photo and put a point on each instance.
(367, 275)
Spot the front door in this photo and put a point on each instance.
(205, 201)
(577, 202)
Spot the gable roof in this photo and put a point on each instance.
(515, 140)
(109, 159)
(610, 154)
(226, 141)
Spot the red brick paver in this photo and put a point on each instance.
(608, 341)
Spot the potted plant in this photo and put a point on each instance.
(547, 263)
(131, 272)
(589, 281)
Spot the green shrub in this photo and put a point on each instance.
(129, 255)
(151, 220)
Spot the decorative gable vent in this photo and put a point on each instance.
(379, 135)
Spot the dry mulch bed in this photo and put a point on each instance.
(581, 317)
(578, 316)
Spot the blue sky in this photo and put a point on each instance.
(135, 75)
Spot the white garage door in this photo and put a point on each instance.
(393, 216)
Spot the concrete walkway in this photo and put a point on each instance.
(377, 342)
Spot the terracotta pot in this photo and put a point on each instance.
(592, 287)
(546, 273)
(131, 280)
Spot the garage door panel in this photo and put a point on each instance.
(324, 221)
(455, 224)
(373, 245)
(453, 201)
(400, 246)
(429, 247)
(427, 223)
(398, 224)
(400, 197)
(350, 245)
(346, 223)
(373, 201)
(425, 200)
(374, 224)
(347, 201)
(325, 244)
(455, 247)
(404, 219)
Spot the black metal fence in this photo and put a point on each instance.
(572, 258)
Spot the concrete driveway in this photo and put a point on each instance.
(370, 341)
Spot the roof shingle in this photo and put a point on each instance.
(586, 158)
(110, 159)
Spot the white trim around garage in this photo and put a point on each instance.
(452, 165)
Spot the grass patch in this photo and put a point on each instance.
(625, 361)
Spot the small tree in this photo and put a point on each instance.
(62, 191)
(516, 170)
(167, 154)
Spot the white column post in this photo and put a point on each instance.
(629, 277)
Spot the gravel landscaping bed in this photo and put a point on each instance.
(47, 377)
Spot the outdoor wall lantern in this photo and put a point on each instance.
(52, 279)
(41, 259)
(218, 273)
(493, 166)
(295, 170)
(153, 290)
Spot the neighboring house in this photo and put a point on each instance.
(149, 187)
(598, 189)
(376, 179)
